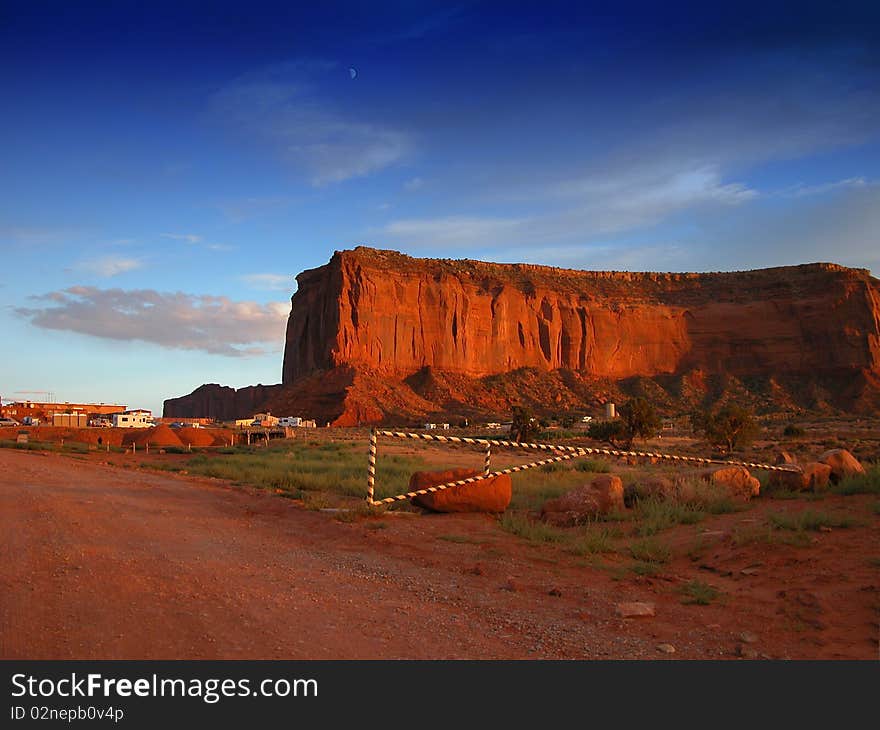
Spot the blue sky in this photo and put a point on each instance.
(168, 169)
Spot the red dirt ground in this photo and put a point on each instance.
(104, 562)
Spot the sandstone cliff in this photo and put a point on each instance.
(220, 402)
(395, 315)
(378, 336)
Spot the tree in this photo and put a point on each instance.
(640, 419)
(611, 432)
(637, 419)
(731, 427)
(523, 426)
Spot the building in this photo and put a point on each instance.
(266, 420)
(71, 420)
(296, 422)
(45, 411)
(133, 419)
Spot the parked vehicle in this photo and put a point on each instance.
(8, 422)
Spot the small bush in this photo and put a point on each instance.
(647, 568)
(655, 515)
(867, 483)
(697, 593)
(793, 431)
(592, 466)
(522, 526)
(650, 551)
(592, 541)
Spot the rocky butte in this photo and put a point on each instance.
(379, 336)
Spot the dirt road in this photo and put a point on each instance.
(103, 562)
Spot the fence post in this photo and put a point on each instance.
(371, 466)
(488, 459)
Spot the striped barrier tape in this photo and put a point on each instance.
(571, 452)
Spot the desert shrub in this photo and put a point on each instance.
(524, 426)
(521, 526)
(592, 466)
(729, 428)
(610, 432)
(698, 593)
(650, 551)
(793, 431)
(867, 483)
(594, 540)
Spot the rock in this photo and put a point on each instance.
(635, 610)
(666, 648)
(813, 476)
(487, 495)
(843, 464)
(555, 592)
(220, 402)
(748, 637)
(653, 487)
(746, 652)
(783, 457)
(817, 475)
(790, 480)
(387, 317)
(736, 480)
(512, 584)
(604, 494)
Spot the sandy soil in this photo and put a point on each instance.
(104, 562)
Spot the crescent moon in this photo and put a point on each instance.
(352, 72)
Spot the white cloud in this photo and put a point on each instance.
(188, 237)
(455, 230)
(800, 191)
(108, 266)
(212, 324)
(283, 106)
(269, 282)
(413, 184)
(594, 205)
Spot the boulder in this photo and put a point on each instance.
(487, 495)
(783, 457)
(635, 609)
(817, 475)
(843, 464)
(736, 480)
(657, 487)
(792, 481)
(604, 494)
(813, 476)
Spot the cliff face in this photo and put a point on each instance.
(220, 402)
(394, 315)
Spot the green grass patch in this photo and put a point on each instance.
(698, 593)
(535, 532)
(594, 540)
(333, 468)
(646, 568)
(810, 520)
(593, 466)
(867, 483)
(654, 515)
(650, 550)
(768, 535)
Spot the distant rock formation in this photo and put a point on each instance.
(379, 336)
(220, 402)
